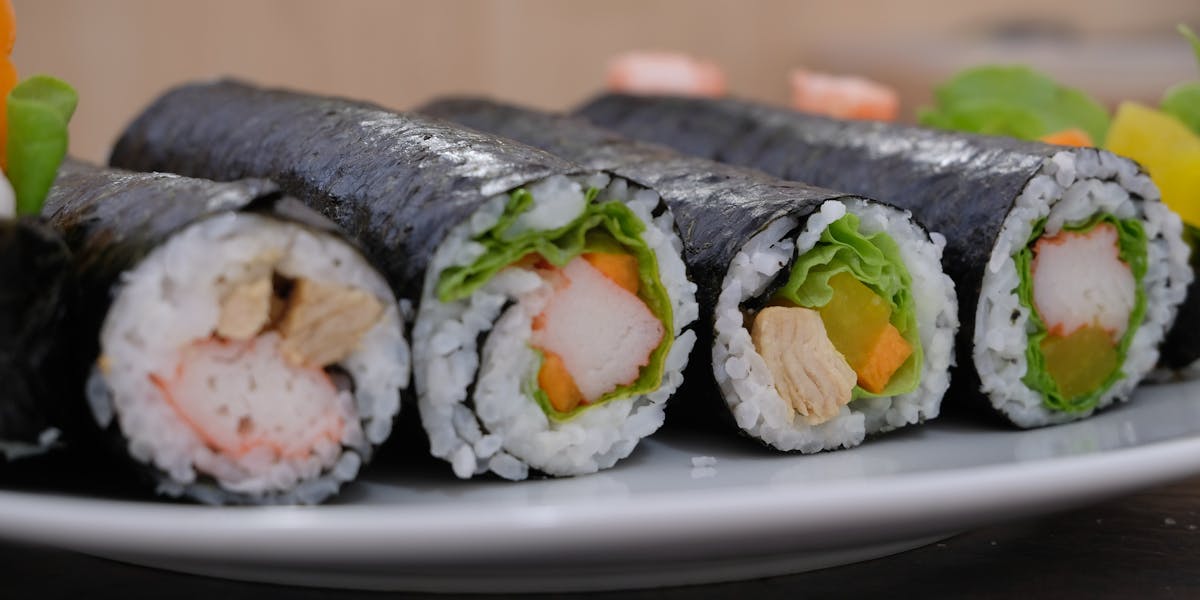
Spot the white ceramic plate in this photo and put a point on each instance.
(655, 519)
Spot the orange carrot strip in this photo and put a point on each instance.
(622, 269)
(885, 357)
(1069, 137)
(8, 27)
(8, 80)
(556, 381)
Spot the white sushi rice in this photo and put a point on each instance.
(1069, 188)
(747, 384)
(11, 450)
(500, 427)
(8, 199)
(172, 299)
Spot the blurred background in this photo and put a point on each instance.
(120, 54)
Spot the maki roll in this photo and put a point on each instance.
(827, 315)
(36, 287)
(552, 302)
(238, 348)
(1069, 269)
(34, 299)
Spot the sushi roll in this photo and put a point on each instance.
(826, 316)
(552, 304)
(235, 346)
(34, 299)
(36, 285)
(1069, 269)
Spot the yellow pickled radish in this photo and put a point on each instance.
(1167, 149)
(854, 318)
(857, 321)
(1079, 363)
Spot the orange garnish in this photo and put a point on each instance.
(1068, 137)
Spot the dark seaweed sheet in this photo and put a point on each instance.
(111, 220)
(960, 185)
(717, 207)
(36, 290)
(397, 182)
(1181, 347)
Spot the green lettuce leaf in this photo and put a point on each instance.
(604, 226)
(875, 261)
(38, 111)
(1131, 242)
(1183, 100)
(1015, 101)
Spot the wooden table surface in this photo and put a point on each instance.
(1142, 546)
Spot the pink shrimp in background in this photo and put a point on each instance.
(671, 73)
(843, 97)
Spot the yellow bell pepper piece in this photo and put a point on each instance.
(1167, 149)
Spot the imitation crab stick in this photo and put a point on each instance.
(595, 333)
(1080, 280)
(248, 377)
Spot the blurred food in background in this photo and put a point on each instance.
(648, 72)
(121, 53)
(843, 96)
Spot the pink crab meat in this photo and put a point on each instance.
(603, 333)
(239, 396)
(665, 73)
(1080, 280)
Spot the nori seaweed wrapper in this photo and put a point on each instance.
(1181, 347)
(112, 219)
(36, 293)
(396, 182)
(961, 185)
(717, 207)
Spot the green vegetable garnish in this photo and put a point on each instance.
(1015, 101)
(875, 261)
(604, 226)
(38, 111)
(1183, 100)
(1131, 242)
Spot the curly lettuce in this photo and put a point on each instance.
(1015, 101)
(1182, 101)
